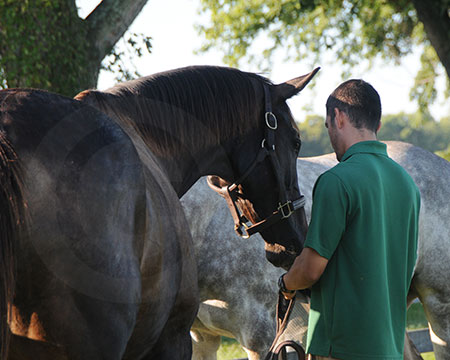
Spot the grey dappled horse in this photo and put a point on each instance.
(96, 255)
(238, 288)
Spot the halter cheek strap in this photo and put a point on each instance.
(231, 194)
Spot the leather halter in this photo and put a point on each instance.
(285, 207)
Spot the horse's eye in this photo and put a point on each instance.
(297, 146)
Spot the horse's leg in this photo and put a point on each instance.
(204, 343)
(252, 355)
(175, 341)
(85, 327)
(437, 310)
(436, 304)
(22, 348)
(108, 326)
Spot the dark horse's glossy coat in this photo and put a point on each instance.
(97, 259)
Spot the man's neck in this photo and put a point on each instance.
(359, 135)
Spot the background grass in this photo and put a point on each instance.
(231, 349)
(415, 317)
(428, 356)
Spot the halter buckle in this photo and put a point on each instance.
(286, 209)
(268, 115)
(242, 231)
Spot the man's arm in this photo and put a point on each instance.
(306, 270)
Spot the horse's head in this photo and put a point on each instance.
(263, 189)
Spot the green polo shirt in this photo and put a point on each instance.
(365, 222)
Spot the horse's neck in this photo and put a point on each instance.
(182, 166)
(181, 170)
(184, 170)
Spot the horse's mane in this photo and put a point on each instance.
(193, 107)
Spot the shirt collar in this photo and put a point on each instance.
(371, 147)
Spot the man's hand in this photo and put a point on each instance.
(289, 295)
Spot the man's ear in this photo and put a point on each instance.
(217, 183)
(340, 117)
(379, 127)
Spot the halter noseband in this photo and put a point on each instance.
(231, 194)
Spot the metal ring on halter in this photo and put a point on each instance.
(263, 145)
(271, 114)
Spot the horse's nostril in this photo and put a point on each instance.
(274, 248)
(293, 251)
(279, 256)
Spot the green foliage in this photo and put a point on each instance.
(427, 133)
(444, 153)
(42, 45)
(120, 60)
(45, 44)
(428, 356)
(418, 129)
(352, 29)
(230, 349)
(415, 317)
(314, 136)
(424, 91)
(307, 29)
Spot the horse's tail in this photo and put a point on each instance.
(12, 217)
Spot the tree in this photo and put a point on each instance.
(45, 44)
(417, 129)
(314, 136)
(352, 30)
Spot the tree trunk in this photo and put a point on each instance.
(434, 14)
(105, 25)
(109, 21)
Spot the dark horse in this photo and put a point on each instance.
(96, 256)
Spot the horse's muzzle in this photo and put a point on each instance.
(279, 256)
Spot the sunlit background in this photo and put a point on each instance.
(170, 24)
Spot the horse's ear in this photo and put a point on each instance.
(292, 87)
(217, 183)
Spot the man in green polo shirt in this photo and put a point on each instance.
(361, 245)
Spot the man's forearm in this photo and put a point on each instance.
(305, 271)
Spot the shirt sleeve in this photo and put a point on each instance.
(328, 215)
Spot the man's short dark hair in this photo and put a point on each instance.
(360, 101)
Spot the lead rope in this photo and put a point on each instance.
(292, 323)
